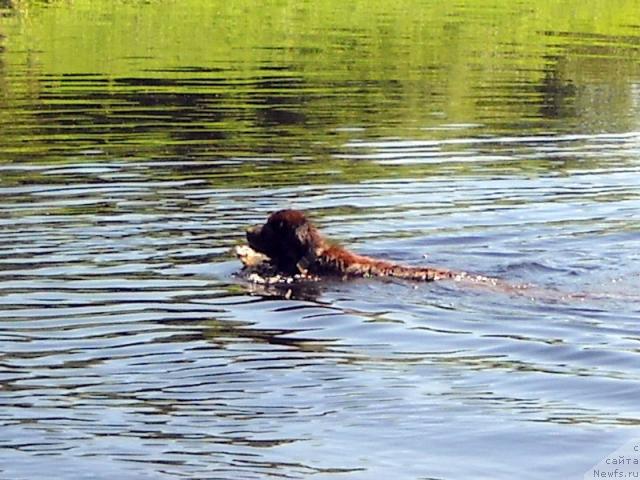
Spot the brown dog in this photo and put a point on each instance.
(289, 244)
(295, 246)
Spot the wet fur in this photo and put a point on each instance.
(295, 246)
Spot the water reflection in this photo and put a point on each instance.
(197, 111)
(135, 150)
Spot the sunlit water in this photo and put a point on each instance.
(129, 349)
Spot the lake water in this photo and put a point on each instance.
(139, 140)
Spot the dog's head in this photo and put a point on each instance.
(288, 239)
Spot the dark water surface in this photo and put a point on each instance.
(137, 141)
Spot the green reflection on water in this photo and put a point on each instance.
(202, 80)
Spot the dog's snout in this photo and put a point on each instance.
(254, 229)
(253, 233)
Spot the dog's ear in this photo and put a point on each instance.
(309, 240)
